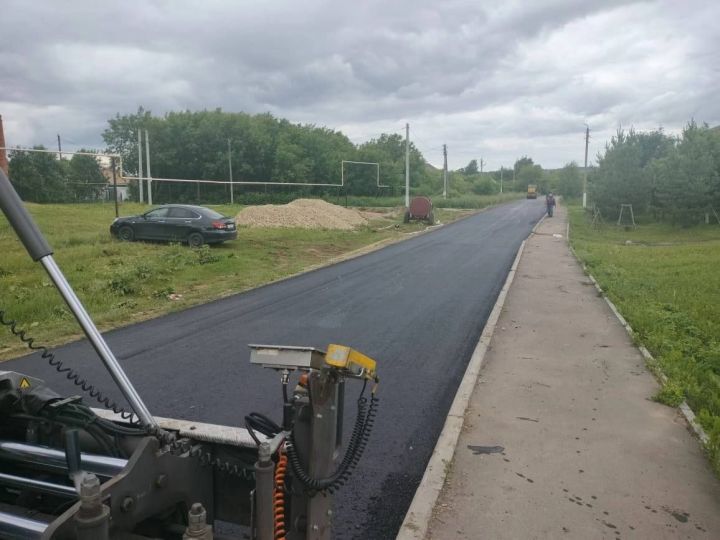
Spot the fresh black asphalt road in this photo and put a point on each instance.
(418, 307)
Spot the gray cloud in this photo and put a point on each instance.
(490, 80)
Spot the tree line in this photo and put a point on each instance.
(566, 181)
(42, 177)
(673, 179)
(205, 145)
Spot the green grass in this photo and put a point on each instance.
(465, 201)
(666, 283)
(121, 282)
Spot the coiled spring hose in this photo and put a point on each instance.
(69, 373)
(356, 446)
(170, 439)
(279, 496)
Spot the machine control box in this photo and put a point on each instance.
(287, 357)
(352, 362)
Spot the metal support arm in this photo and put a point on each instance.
(38, 248)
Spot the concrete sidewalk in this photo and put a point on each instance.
(561, 439)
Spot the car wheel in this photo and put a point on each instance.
(126, 233)
(195, 239)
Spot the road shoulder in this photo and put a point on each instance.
(561, 437)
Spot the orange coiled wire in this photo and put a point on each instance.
(279, 496)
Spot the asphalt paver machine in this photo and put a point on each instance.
(70, 469)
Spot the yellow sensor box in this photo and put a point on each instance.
(350, 360)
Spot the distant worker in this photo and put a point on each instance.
(550, 202)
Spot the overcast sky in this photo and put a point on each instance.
(495, 80)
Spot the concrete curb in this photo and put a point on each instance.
(650, 360)
(416, 522)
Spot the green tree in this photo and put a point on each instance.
(458, 184)
(569, 180)
(623, 175)
(85, 177)
(529, 174)
(686, 181)
(121, 137)
(485, 186)
(522, 162)
(471, 168)
(38, 176)
(520, 183)
(194, 145)
(389, 151)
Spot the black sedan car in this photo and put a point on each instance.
(195, 225)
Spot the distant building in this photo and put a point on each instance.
(123, 193)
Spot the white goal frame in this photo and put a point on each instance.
(377, 167)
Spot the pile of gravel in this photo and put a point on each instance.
(302, 213)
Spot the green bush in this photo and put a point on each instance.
(486, 186)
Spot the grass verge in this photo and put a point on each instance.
(464, 201)
(665, 282)
(121, 283)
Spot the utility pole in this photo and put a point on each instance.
(445, 183)
(147, 164)
(407, 165)
(59, 147)
(112, 164)
(140, 166)
(502, 169)
(482, 163)
(587, 139)
(230, 168)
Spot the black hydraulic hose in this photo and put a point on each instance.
(259, 422)
(263, 424)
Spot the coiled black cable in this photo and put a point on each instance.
(165, 437)
(361, 444)
(364, 422)
(69, 373)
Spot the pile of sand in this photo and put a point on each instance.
(303, 213)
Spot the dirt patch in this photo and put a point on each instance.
(302, 213)
(389, 213)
